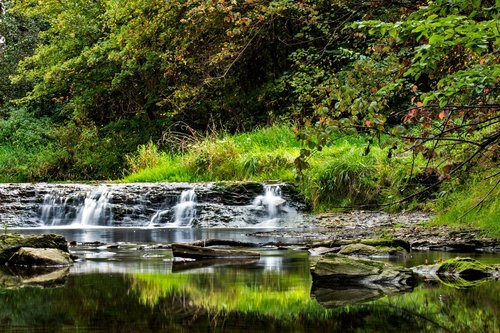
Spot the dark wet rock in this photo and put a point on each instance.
(27, 256)
(340, 279)
(321, 250)
(382, 244)
(11, 243)
(203, 253)
(363, 250)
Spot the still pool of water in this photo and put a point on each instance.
(137, 287)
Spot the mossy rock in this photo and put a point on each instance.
(11, 243)
(341, 266)
(359, 249)
(464, 267)
(28, 256)
(394, 243)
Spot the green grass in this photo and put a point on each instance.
(474, 204)
(340, 175)
(260, 155)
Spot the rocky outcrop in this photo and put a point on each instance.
(11, 243)
(340, 279)
(363, 250)
(371, 248)
(459, 272)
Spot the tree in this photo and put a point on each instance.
(435, 86)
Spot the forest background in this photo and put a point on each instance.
(388, 104)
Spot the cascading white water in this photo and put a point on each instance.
(76, 206)
(271, 201)
(54, 210)
(77, 210)
(96, 209)
(185, 209)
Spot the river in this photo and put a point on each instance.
(126, 279)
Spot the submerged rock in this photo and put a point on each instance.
(27, 256)
(339, 279)
(338, 267)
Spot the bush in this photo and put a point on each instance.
(146, 157)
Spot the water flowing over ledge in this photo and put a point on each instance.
(150, 205)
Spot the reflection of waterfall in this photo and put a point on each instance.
(185, 210)
(92, 209)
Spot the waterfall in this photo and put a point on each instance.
(77, 209)
(272, 204)
(150, 205)
(54, 210)
(96, 209)
(185, 210)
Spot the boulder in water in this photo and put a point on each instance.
(28, 256)
(11, 243)
(203, 253)
(467, 268)
(363, 250)
(339, 279)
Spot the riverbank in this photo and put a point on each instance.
(416, 228)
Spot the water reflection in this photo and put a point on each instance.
(156, 235)
(133, 289)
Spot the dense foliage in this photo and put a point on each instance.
(104, 77)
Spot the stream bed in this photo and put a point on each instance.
(126, 279)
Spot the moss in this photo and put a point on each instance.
(393, 243)
(464, 267)
(368, 250)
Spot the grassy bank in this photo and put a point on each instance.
(340, 175)
(473, 204)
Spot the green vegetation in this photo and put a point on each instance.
(339, 175)
(390, 102)
(463, 266)
(473, 204)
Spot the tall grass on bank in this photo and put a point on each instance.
(259, 155)
(339, 176)
(473, 204)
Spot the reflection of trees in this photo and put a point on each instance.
(239, 299)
